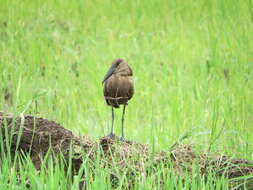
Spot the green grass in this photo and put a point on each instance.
(56, 53)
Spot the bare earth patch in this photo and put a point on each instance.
(34, 136)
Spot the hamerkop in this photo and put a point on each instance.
(118, 88)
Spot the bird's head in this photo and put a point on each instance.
(115, 65)
(117, 62)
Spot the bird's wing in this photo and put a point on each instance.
(131, 90)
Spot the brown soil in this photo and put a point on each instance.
(34, 135)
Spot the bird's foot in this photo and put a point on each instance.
(122, 138)
(111, 136)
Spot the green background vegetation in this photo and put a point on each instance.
(192, 63)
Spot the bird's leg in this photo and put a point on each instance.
(122, 120)
(111, 135)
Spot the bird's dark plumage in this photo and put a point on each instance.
(118, 83)
(118, 87)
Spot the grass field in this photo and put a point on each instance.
(192, 64)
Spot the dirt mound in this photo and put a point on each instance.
(34, 136)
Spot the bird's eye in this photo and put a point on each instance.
(117, 64)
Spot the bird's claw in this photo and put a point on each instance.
(111, 136)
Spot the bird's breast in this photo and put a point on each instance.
(118, 86)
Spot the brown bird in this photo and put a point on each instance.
(118, 88)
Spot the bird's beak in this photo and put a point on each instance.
(109, 73)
